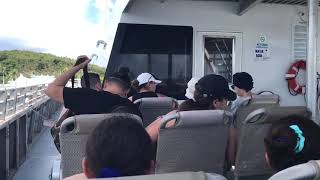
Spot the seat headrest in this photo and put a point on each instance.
(198, 118)
(262, 99)
(310, 170)
(156, 101)
(84, 124)
(175, 176)
(316, 164)
(271, 114)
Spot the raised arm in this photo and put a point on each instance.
(55, 89)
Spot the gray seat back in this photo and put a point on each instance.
(250, 159)
(197, 142)
(172, 176)
(73, 138)
(306, 171)
(253, 103)
(152, 108)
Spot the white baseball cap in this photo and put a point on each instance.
(191, 88)
(147, 77)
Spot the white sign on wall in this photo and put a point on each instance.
(262, 50)
(300, 41)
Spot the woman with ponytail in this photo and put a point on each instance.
(211, 92)
(292, 141)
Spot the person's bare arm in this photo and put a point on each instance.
(55, 89)
(154, 127)
(232, 145)
(77, 177)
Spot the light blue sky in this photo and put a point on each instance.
(92, 12)
(61, 27)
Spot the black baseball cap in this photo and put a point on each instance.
(243, 80)
(215, 86)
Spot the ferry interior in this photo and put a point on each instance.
(276, 41)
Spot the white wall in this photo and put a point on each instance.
(273, 20)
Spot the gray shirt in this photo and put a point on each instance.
(237, 103)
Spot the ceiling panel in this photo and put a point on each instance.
(290, 2)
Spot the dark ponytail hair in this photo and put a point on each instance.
(135, 85)
(202, 101)
(281, 141)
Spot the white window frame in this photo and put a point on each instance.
(198, 49)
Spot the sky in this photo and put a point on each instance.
(61, 27)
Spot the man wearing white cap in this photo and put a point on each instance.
(146, 85)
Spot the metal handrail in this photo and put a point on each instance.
(15, 99)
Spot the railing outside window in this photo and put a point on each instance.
(13, 100)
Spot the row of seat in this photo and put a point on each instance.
(310, 170)
(196, 143)
(171, 176)
(151, 108)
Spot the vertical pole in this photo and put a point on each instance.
(7, 152)
(170, 77)
(149, 64)
(312, 57)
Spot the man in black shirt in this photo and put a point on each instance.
(87, 101)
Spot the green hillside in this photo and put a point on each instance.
(13, 63)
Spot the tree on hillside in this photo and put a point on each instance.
(13, 63)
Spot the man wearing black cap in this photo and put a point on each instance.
(242, 84)
(113, 98)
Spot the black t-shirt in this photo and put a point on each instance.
(88, 101)
(143, 95)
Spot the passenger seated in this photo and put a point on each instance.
(211, 92)
(88, 101)
(242, 85)
(146, 86)
(95, 84)
(117, 147)
(94, 80)
(292, 141)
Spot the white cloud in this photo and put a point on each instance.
(57, 25)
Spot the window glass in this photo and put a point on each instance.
(165, 51)
(218, 56)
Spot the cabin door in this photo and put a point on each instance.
(217, 53)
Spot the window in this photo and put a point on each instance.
(165, 51)
(218, 56)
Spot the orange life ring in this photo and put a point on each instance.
(292, 74)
